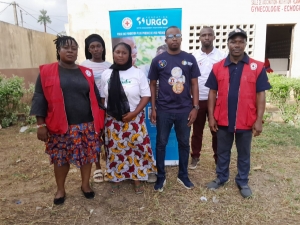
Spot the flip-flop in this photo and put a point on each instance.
(98, 176)
(139, 189)
(114, 188)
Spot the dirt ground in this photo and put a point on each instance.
(27, 188)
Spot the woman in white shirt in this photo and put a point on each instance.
(95, 56)
(126, 92)
(95, 59)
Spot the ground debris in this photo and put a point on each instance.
(259, 167)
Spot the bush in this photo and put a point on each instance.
(25, 105)
(11, 92)
(14, 99)
(280, 95)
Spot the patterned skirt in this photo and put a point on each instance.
(129, 150)
(78, 146)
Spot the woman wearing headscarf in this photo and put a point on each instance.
(95, 56)
(95, 59)
(69, 115)
(126, 92)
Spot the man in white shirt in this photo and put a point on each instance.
(205, 57)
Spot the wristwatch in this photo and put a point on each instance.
(196, 107)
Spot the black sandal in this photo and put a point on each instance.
(59, 201)
(88, 195)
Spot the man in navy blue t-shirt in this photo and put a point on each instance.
(236, 104)
(177, 73)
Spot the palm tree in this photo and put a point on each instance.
(44, 19)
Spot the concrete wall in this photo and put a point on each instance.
(23, 50)
(86, 17)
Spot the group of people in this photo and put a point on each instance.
(80, 108)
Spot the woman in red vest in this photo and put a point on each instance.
(69, 116)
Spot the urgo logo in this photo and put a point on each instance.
(152, 21)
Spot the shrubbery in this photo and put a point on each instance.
(14, 101)
(285, 94)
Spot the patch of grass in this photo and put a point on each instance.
(275, 134)
(21, 176)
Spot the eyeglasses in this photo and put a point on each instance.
(171, 36)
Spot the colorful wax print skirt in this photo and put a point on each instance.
(128, 149)
(78, 146)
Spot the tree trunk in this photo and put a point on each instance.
(45, 26)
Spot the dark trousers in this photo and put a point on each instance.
(243, 145)
(164, 123)
(198, 127)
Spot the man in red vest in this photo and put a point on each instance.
(236, 104)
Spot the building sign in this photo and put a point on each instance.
(273, 6)
(150, 22)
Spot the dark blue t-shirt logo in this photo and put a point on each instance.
(162, 63)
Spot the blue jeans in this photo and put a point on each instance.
(164, 123)
(243, 145)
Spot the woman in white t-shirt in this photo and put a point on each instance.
(95, 60)
(95, 56)
(125, 91)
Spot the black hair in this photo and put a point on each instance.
(208, 27)
(91, 38)
(62, 40)
(170, 28)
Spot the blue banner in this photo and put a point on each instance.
(150, 22)
(144, 31)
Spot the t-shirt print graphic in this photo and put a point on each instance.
(177, 80)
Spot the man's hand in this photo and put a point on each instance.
(192, 117)
(257, 128)
(128, 117)
(212, 124)
(42, 134)
(153, 116)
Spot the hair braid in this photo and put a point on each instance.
(62, 40)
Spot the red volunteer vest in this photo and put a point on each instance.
(246, 109)
(56, 119)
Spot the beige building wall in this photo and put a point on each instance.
(86, 17)
(23, 50)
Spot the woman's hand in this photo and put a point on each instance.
(128, 117)
(42, 134)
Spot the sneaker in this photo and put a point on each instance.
(185, 181)
(160, 183)
(152, 178)
(245, 191)
(194, 163)
(215, 184)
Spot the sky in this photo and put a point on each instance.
(56, 9)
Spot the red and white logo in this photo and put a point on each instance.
(88, 73)
(127, 23)
(253, 66)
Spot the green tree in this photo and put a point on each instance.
(44, 19)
